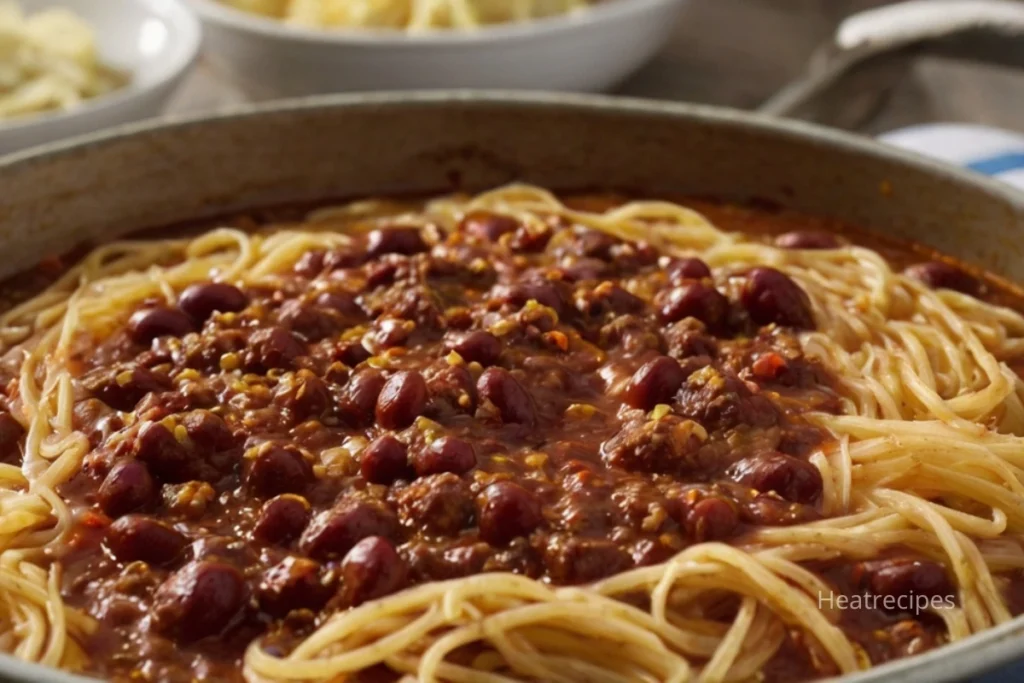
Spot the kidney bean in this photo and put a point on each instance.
(332, 533)
(344, 257)
(384, 460)
(387, 333)
(201, 599)
(439, 503)
(618, 300)
(488, 226)
(279, 469)
(382, 273)
(683, 269)
(167, 458)
(149, 323)
(795, 480)
(342, 302)
(282, 519)
(310, 264)
(513, 402)
(127, 487)
(272, 347)
(694, 300)
(584, 269)
(137, 538)
(200, 301)
(530, 239)
(772, 297)
(507, 511)
(372, 569)
(401, 400)
(291, 584)
(807, 239)
(352, 353)
(940, 275)
(595, 244)
(711, 518)
(475, 347)
(359, 398)
(657, 381)
(445, 454)
(395, 241)
(903, 576)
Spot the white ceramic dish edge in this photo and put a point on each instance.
(156, 41)
(589, 50)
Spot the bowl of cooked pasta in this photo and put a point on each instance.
(278, 48)
(68, 68)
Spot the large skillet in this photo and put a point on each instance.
(158, 174)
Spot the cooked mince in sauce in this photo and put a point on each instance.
(508, 430)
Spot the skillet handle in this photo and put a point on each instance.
(849, 78)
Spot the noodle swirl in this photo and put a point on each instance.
(928, 455)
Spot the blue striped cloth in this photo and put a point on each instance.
(994, 152)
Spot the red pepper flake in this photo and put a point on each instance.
(769, 366)
(94, 520)
(558, 339)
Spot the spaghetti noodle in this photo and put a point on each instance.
(49, 61)
(892, 411)
(410, 15)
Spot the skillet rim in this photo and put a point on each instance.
(972, 656)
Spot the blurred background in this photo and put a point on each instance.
(739, 52)
(864, 65)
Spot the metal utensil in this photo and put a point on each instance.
(849, 78)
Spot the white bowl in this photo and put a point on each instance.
(590, 50)
(155, 41)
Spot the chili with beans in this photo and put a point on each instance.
(405, 410)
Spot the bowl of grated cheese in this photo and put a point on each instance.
(81, 65)
(275, 48)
